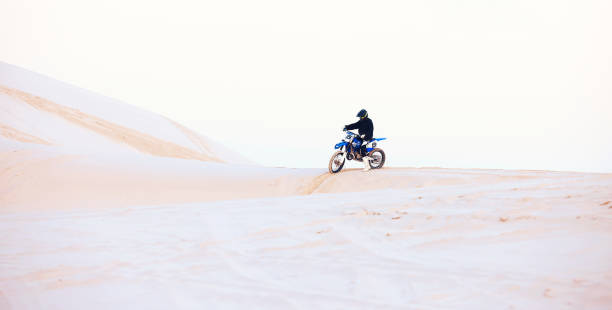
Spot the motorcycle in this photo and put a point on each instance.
(350, 149)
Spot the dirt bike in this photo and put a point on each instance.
(350, 148)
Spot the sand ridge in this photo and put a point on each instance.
(138, 140)
(17, 135)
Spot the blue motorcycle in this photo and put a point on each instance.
(350, 149)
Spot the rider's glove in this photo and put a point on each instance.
(344, 129)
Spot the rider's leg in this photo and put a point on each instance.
(366, 163)
(364, 152)
(358, 151)
(363, 149)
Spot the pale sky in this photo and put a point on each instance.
(467, 84)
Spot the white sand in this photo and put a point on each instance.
(100, 213)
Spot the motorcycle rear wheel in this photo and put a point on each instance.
(378, 158)
(336, 162)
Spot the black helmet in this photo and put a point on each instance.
(362, 114)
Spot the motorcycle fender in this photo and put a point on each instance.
(339, 145)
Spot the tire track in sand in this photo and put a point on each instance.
(313, 185)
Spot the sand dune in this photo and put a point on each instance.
(78, 121)
(105, 206)
(138, 140)
(85, 160)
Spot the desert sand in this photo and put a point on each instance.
(105, 206)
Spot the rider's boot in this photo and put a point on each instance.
(366, 163)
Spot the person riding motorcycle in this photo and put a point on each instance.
(366, 133)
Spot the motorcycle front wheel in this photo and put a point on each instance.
(336, 162)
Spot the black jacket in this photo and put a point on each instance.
(365, 126)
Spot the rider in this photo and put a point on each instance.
(366, 132)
